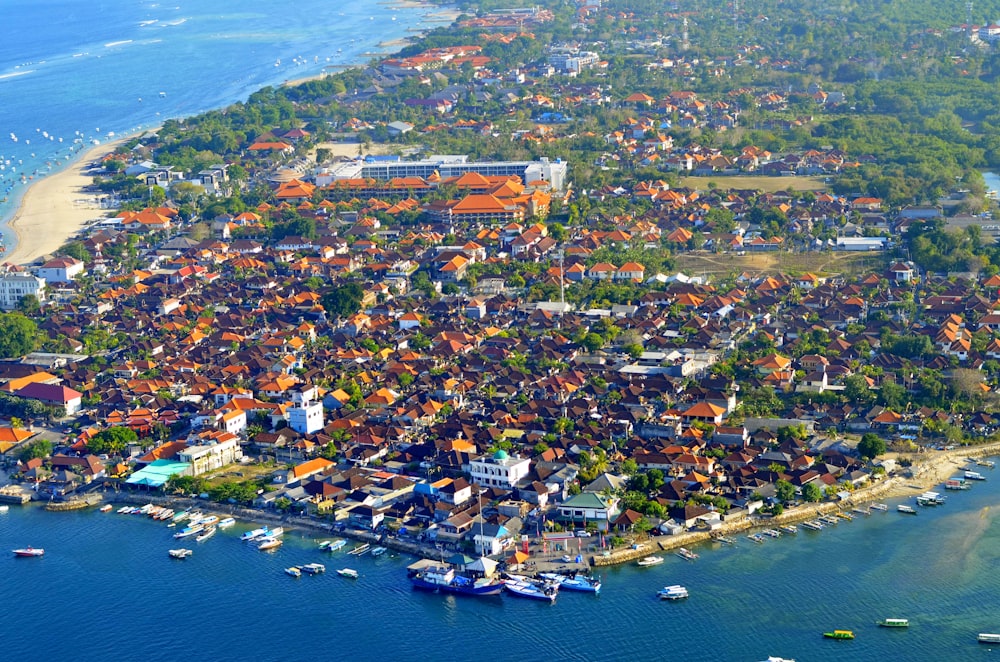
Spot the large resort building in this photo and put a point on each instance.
(387, 168)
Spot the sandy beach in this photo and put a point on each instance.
(56, 207)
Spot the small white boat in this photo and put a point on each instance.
(294, 571)
(313, 568)
(189, 531)
(379, 551)
(527, 589)
(276, 533)
(880, 507)
(106, 508)
(974, 475)
(790, 528)
(27, 552)
(756, 537)
(229, 521)
(675, 592)
(4, 508)
(648, 561)
(180, 553)
(268, 543)
(335, 545)
(987, 638)
(206, 534)
(773, 533)
(906, 509)
(255, 533)
(348, 572)
(686, 554)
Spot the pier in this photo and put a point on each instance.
(14, 494)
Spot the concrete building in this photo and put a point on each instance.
(447, 166)
(500, 470)
(15, 285)
(209, 457)
(306, 419)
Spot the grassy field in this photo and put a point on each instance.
(821, 264)
(766, 184)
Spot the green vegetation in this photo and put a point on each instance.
(18, 335)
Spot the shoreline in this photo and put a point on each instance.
(925, 474)
(57, 206)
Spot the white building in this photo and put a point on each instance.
(15, 285)
(307, 418)
(209, 457)
(501, 470)
(60, 270)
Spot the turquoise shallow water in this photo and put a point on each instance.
(79, 71)
(108, 577)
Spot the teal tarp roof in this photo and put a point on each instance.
(157, 473)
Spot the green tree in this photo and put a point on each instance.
(39, 449)
(345, 300)
(592, 342)
(113, 440)
(811, 492)
(871, 445)
(785, 491)
(18, 335)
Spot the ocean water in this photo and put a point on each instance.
(108, 588)
(73, 72)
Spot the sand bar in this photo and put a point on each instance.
(57, 207)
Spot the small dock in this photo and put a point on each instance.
(14, 494)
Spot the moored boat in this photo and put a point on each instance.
(350, 573)
(674, 592)
(313, 568)
(880, 506)
(894, 623)
(206, 534)
(974, 475)
(189, 531)
(526, 589)
(293, 571)
(907, 510)
(360, 549)
(774, 533)
(756, 537)
(581, 583)
(724, 540)
(267, 543)
(988, 638)
(335, 545)
(255, 533)
(444, 579)
(686, 554)
(790, 528)
(179, 553)
(839, 634)
(106, 508)
(379, 551)
(27, 552)
(813, 525)
(227, 522)
(648, 561)
(209, 520)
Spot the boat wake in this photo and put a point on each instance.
(112, 44)
(17, 74)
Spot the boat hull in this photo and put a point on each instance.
(457, 589)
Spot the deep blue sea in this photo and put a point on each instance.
(106, 589)
(73, 72)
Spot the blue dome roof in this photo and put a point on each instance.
(500, 455)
